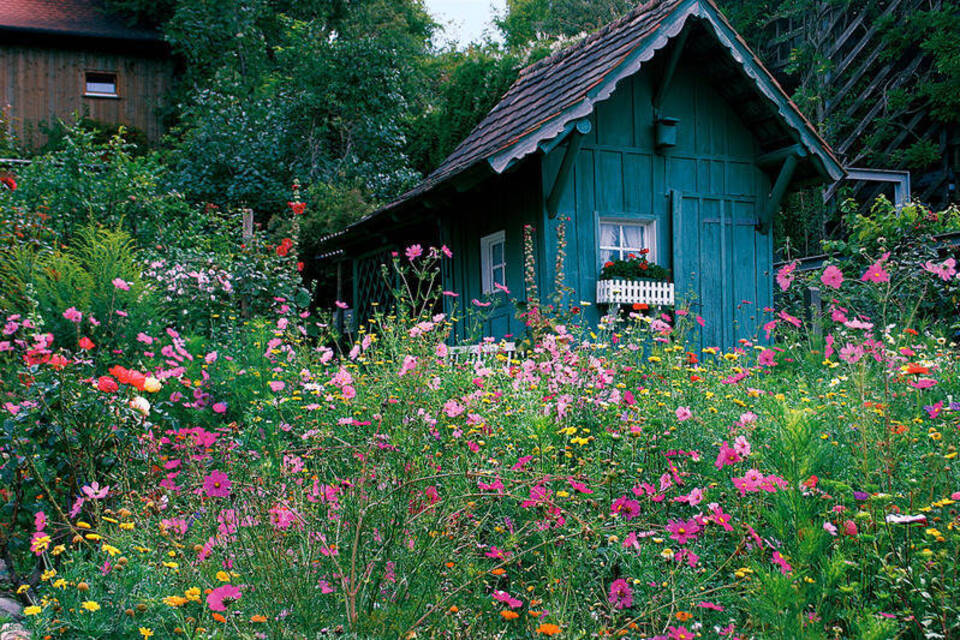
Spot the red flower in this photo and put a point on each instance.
(640, 306)
(86, 343)
(300, 266)
(297, 207)
(107, 384)
(9, 182)
(284, 247)
(850, 528)
(607, 264)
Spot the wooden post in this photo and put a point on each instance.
(247, 234)
(813, 309)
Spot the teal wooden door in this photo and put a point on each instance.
(716, 253)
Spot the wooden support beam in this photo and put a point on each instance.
(780, 155)
(776, 194)
(669, 71)
(574, 142)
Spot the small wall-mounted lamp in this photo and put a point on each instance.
(666, 132)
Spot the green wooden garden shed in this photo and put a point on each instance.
(661, 131)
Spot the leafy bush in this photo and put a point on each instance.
(633, 268)
(603, 482)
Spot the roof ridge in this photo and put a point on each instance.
(563, 52)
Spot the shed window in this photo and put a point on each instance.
(619, 238)
(493, 261)
(100, 84)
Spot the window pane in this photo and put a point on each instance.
(609, 235)
(496, 253)
(633, 235)
(499, 275)
(607, 255)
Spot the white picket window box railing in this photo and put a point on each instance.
(651, 292)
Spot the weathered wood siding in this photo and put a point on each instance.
(39, 85)
(506, 203)
(722, 266)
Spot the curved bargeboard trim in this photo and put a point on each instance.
(559, 125)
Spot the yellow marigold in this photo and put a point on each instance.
(90, 605)
(193, 594)
(49, 573)
(548, 629)
(112, 550)
(258, 618)
(223, 576)
(146, 632)
(32, 610)
(175, 601)
(57, 550)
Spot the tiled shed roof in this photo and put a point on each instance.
(550, 95)
(76, 18)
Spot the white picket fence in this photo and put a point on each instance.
(651, 292)
(485, 352)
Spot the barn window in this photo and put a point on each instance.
(619, 238)
(100, 84)
(493, 261)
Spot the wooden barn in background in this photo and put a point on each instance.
(60, 57)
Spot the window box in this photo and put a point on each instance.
(639, 291)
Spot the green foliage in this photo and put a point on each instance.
(526, 21)
(634, 267)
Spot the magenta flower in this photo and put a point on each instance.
(945, 270)
(621, 595)
(781, 562)
(224, 592)
(413, 252)
(785, 275)
(121, 284)
(217, 485)
(73, 315)
(409, 364)
(95, 492)
(766, 358)
(276, 386)
(683, 413)
(683, 530)
(876, 272)
(832, 277)
(220, 407)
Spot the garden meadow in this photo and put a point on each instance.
(189, 450)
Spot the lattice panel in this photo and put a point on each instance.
(374, 291)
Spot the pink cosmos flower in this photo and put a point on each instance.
(73, 315)
(785, 275)
(220, 407)
(683, 530)
(851, 354)
(683, 413)
(217, 485)
(507, 599)
(445, 250)
(781, 562)
(830, 528)
(224, 592)
(876, 272)
(621, 595)
(95, 492)
(680, 633)
(727, 456)
(453, 408)
(766, 358)
(413, 252)
(945, 270)
(409, 364)
(276, 386)
(626, 507)
(121, 284)
(741, 446)
(832, 277)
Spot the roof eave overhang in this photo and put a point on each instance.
(551, 132)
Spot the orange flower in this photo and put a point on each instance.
(916, 369)
(548, 629)
(509, 615)
(258, 618)
(454, 609)
(640, 306)
(449, 565)
(219, 618)
(499, 571)
(683, 616)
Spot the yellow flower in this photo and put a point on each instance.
(223, 576)
(32, 610)
(145, 632)
(151, 384)
(171, 565)
(126, 526)
(23, 589)
(49, 573)
(193, 593)
(60, 583)
(90, 605)
(110, 549)
(174, 601)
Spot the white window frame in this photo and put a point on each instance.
(487, 266)
(650, 235)
(101, 94)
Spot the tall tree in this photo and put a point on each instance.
(526, 21)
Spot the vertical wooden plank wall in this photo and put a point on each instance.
(39, 85)
(722, 266)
